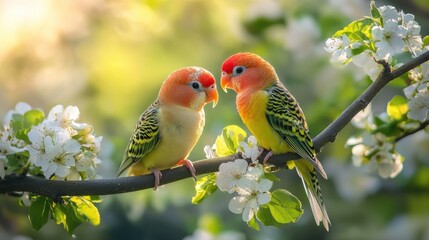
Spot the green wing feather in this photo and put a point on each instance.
(286, 117)
(144, 139)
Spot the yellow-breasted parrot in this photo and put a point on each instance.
(168, 130)
(274, 117)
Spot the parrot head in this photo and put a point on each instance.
(191, 87)
(246, 71)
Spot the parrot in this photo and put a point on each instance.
(169, 128)
(274, 117)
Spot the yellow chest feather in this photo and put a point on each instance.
(180, 129)
(251, 108)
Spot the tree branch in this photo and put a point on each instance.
(55, 189)
(330, 133)
(422, 126)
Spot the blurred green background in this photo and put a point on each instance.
(109, 58)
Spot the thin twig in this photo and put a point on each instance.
(55, 188)
(421, 126)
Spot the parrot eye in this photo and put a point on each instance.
(238, 70)
(195, 85)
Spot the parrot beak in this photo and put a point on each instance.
(212, 95)
(225, 82)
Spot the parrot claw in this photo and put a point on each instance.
(158, 176)
(188, 164)
(267, 157)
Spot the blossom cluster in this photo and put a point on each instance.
(374, 150)
(247, 180)
(381, 37)
(417, 93)
(9, 143)
(57, 146)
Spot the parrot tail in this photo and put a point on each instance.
(314, 194)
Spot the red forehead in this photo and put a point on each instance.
(230, 63)
(206, 79)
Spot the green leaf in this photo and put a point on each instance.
(264, 215)
(19, 127)
(33, 117)
(21, 124)
(358, 31)
(271, 177)
(375, 13)
(73, 220)
(227, 143)
(284, 206)
(87, 209)
(253, 224)
(426, 41)
(359, 50)
(397, 108)
(204, 187)
(74, 211)
(17, 161)
(378, 121)
(94, 199)
(66, 214)
(39, 212)
(58, 213)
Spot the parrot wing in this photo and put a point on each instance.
(144, 139)
(286, 117)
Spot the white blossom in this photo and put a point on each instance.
(84, 162)
(209, 151)
(339, 48)
(411, 90)
(378, 151)
(390, 165)
(419, 106)
(251, 197)
(363, 119)
(399, 32)
(388, 39)
(250, 149)
(333, 44)
(366, 61)
(359, 153)
(9, 144)
(66, 118)
(52, 149)
(412, 37)
(230, 173)
(389, 13)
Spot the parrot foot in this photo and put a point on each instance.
(188, 164)
(267, 157)
(158, 176)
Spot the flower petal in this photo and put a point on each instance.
(237, 204)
